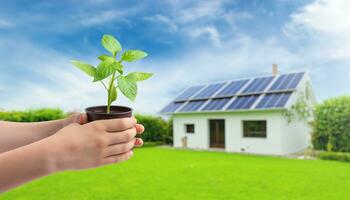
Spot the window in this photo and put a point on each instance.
(189, 128)
(256, 129)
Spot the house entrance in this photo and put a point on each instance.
(217, 133)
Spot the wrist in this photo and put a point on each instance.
(50, 157)
(64, 122)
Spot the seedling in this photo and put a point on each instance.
(112, 68)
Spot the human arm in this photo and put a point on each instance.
(15, 134)
(73, 147)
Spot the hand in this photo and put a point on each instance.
(94, 144)
(75, 117)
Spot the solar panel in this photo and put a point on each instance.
(283, 100)
(209, 91)
(296, 80)
(258, 85)
(193, 105)
(274, 100)
(232, 88)
(243, 102)
(227, 95)
(172, 107)
(287, 81)
(278, 82)
(188, 93)
(216, 104)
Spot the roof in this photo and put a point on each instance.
(257, 93)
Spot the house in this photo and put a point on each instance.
(243, 115)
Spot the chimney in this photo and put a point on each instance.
(274, 69)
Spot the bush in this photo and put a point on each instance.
(331, 128)
(32, 115)
(339, 156)
(156, 129)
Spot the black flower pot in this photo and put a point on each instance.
(100, 112)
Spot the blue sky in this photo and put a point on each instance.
(188, 42)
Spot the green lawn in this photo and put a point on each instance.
(162, 173)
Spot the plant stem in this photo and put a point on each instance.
(109, 90)
(109, 102)
(104, 85)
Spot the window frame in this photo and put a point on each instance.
(256, 135)
(186, 128)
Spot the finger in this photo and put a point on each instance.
(114, 125)
(117, 158)
(138, 142)
(121, 137)
(140, 129)
(82, 118)
(119, 148)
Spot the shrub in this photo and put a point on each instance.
(331, 128)
(156, 128)
(32, 115)
(339, 156)
(168, 138)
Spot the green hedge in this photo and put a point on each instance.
(32, 115)
(338, 156)
(156, 128)
(331, 128)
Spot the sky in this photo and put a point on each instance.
(188, 42)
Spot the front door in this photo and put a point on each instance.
(217, 133)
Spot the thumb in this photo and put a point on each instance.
(81, 118)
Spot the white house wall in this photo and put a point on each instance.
(296, 138)
(234, 140)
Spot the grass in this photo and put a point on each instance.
(162, 173)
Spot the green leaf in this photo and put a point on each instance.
(139, 76)
(128, 87)
(120, 68)
(111, 44)
(113, 95)
(87, 68)
(104, 69)
(132, 55)
(105, 57)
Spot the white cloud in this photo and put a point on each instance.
(198, 20)
(207, 9)
(102, 17)
(327, 16)
(5, 24)
(59, 84)
(232, 17)
(207, 31)
(97, 1)
(163, 19)
(325, 27)
(321, 34)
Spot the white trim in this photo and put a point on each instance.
(257, 101)
(204, 104)
(229, 103)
